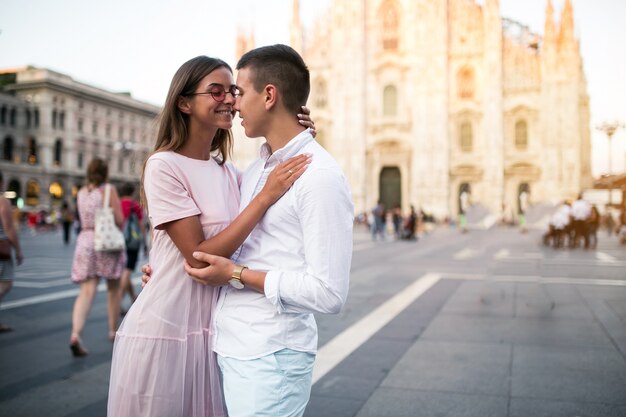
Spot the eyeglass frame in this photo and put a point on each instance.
(233, 90)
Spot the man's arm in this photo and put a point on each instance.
(326, 217)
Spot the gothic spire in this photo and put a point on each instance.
(566, 29)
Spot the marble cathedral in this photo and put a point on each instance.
(445, 103)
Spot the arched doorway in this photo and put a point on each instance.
(32, 193)
(465, 191)
(390, 187)
(523, 194)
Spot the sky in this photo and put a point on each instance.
(137, 45)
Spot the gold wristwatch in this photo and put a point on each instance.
(235, 279)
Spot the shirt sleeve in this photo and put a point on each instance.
(326, 214)
(168, 198)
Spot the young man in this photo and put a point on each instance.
(294, 263)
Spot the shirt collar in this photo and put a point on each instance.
(290, 149)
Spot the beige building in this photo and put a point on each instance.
(445, 103)
(51, 126)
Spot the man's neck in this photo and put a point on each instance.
(282, 133)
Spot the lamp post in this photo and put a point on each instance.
(609, 128)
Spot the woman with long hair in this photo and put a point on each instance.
(163, 363)
(89, 265)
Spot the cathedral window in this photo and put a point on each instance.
(54, 119)
(465, 83)
(466, 138)
(3, 115)
(521, 134)
(390, 101)
(389, 13)
(320, 94)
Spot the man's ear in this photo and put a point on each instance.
(271, 96)
(183, 105)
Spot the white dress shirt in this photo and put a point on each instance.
(304, 242)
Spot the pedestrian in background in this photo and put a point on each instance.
(10, 240)
(67, 217)
(378, 221)
(89, 265)
(135, 237)
(580, 212)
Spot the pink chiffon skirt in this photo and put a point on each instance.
(163, 362)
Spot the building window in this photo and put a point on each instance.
(13, 117)
(36, 117)
(32, 193)
(521, 134)
(466, 137)
(80, 125)
(58, 152)
(7, 149)
(107, 131)
(32, 151)
(389, 15)
(94, 128)
(120, 134)
(465, 84)
(390, 101)
(28, 118)
(3, 116)
(62, 120)
(54, 119)
(80, 158)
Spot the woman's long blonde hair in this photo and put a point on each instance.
(174, 124)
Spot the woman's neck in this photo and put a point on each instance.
(198, 143)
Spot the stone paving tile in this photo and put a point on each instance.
(332, 407)
(533, 331)
(570, 385)
(523, 407)
(554, 359)
(455, 367)
(388, 402)
(483, 299)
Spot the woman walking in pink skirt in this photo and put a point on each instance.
(163, 363)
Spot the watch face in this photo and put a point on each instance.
(236, 283)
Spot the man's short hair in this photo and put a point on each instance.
(283, 67)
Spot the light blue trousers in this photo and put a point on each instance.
(276, 385)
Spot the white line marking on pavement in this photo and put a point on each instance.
(342, 345)
(466, 253)
(44, 298)
(501, 254)
(46, 284)
(605, 257)
(536, 279)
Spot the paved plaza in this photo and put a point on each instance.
(488, 323)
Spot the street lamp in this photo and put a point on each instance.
(610, 128)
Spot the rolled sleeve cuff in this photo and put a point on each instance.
(272, 290)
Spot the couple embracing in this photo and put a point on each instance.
(240, 262)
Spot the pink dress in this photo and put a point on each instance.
(87, 262)
(163, 359)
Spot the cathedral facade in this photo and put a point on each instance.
(444, 104)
